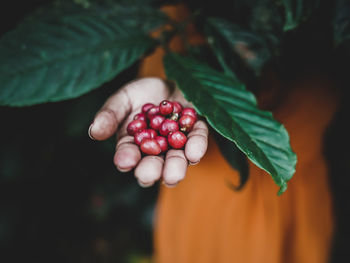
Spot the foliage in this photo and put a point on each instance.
(66, 49)
(298, 11)
(232, 111)
(63, 52)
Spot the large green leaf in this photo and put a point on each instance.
(233, 112)
(66, 50)
(229, 150)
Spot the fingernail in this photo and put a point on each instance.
(170, 185)
(193, 163)
(89, 131)
(123, 170)
(144, 185)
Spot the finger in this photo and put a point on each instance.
(127, 154)
(175, 167)
(110, 116)
(197, 142)
(128, 99)
(149, 170)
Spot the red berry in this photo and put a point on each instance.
(140, 116)
(177, 107)
(135, 126)
(147, 106)
(144, 134)
(153, 133)
(163, 143)
(177, 139)
(186, 123)
(150, 147)
(156, 121)
(165, 107)
(189, 111)
(168, 126)
(169, 119)
(141, 135)
(152, 111)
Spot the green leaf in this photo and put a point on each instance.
(297, 11)
(231, 44)
(232, 111)
(229, 150)
(66, 50)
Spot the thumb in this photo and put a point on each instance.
(112, 113)
(119, 105)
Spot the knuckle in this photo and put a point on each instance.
(200, 136)
(125, 141)
(176, 155)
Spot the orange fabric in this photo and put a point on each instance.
(153, 65)
(203, 220)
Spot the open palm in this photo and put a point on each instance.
(120, 109)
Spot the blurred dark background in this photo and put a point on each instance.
(61, 198)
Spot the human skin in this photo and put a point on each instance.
(120, 109)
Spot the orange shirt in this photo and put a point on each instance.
(203, 220)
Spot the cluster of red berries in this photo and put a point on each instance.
(158, 128)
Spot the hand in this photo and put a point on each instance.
(120, 109)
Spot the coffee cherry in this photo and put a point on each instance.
(152, 111)
(135, 126)
(168, 126)
(141, 135)
(177, 107)
(165, 107)
(144, 134)
(186, 123)
(153, 133)
(177, 139)
(140, 116)
(156, 121)
(189, 111)
(163, 143)
(159, 128)
(150, 147)
(147, 106)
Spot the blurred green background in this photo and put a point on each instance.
(62, 199)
